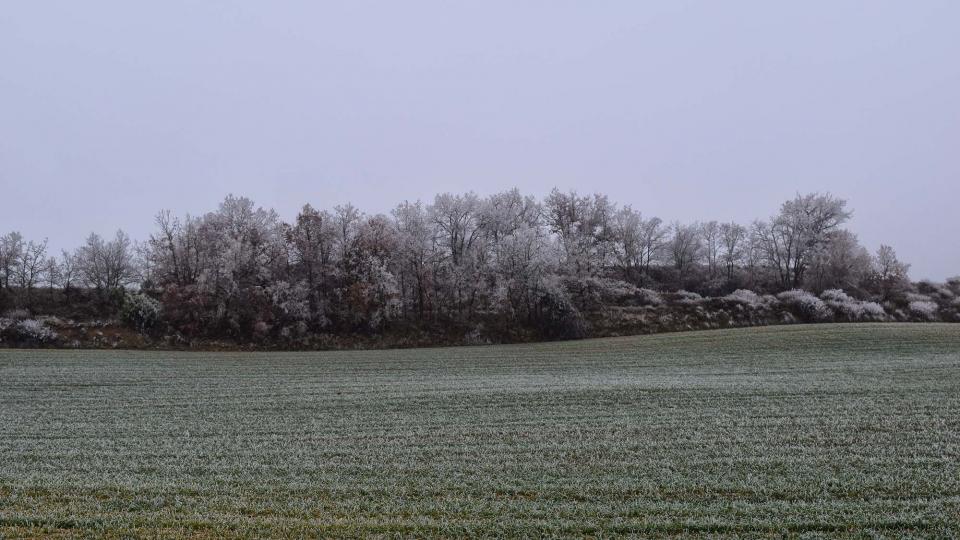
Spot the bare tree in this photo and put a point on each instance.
(685, 247)
(68, 270)
(732, 240)
(627, 234)
(653, 239)
(711, 241)
(107, 266)
(11, 248)
(29, 266)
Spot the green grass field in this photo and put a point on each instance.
(836, 430)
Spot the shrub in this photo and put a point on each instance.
(27, 332)
(873, 311)
(954, 285)
(687, 297)
(140, 310)
(17, 314)
(915, 297)
(851, 309)
(836, 295)
(925, 310)
(613, 289)
(805, 305)
(556, 314)
(647, 297)
(594, 293)
(744, 296)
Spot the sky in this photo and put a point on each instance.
(112, 111)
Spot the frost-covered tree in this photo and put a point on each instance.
(653, 241)
(685, 247)
(792, 237)
(523, 267)
(505, 213)
(839, 262)
(889, 275)
(368, 292)
(311, 241)
(733, 238)
(584, 227)
(628, 243)
(460, 224)
(462, 261)
(460, 229)
(346, 219)
(176, 253)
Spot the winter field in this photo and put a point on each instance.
(838, 430)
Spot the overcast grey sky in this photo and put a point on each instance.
(111, 111)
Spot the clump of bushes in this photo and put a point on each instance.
(924, 309)
(805, 305)
(140, 311)
(557, 315)
(744, 296)
(594, 292)
(848, 308)
(687, 297)
(27, 332)
(16, 314)
(648, 297)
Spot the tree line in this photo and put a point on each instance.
(241, 271)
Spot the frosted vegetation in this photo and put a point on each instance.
(462, 268)
(839, 430)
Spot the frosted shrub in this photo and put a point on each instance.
(954, 285)
(851, 309)
(600, 291)
(559, 318)
(140, 310)
(805, 305)
(17, 314)
(925, 310)
(944, 292)
(873, 311)
(649, 297)
(836, 295)
(613, 288)
(28, 331)
(745, 296)
(261, 330)
(291, 300)
(914, 297)
(687, 297)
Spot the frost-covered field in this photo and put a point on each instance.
(840, 430)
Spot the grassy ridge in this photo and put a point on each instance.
(836, 429)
